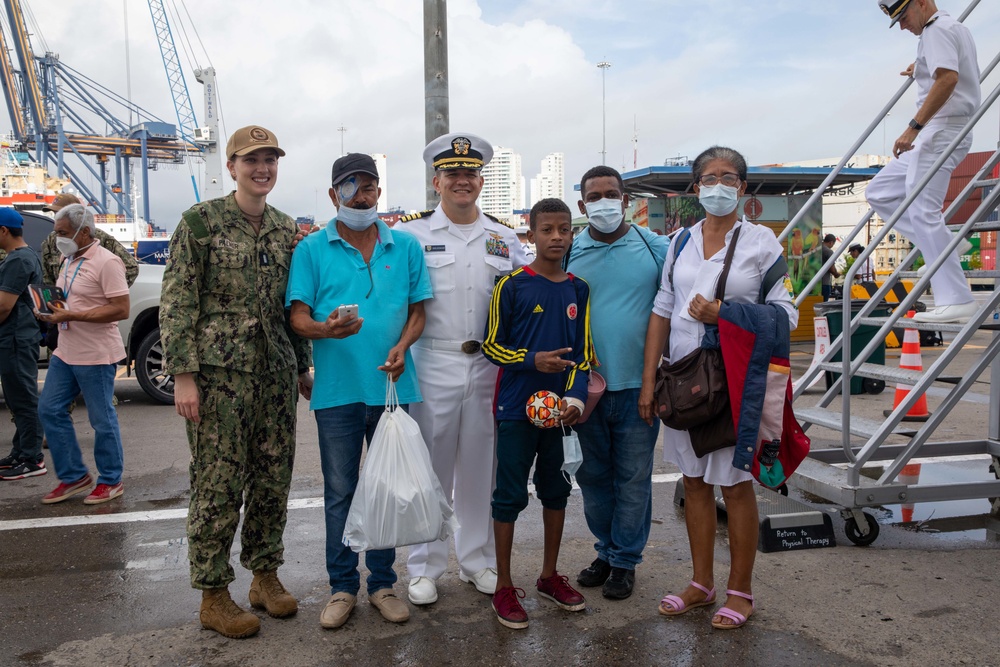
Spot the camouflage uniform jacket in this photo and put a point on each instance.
(52, 259)
(223, 296)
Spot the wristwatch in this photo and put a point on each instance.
(915, 125)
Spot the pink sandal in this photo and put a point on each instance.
(678, 606)
(738, 618)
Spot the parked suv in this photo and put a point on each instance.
(141, 331)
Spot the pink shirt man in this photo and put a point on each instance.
(90, 281)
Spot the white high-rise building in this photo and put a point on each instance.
(381, 164)
(551, 180)
(503, 187)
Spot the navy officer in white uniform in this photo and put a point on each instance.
(946, 71)
(466, 252)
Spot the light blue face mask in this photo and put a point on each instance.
(719, 199)
(572, 453)
(358, 219)
(605, 214)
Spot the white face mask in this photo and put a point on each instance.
(572, 453)
(68, 247)
(358, 219)
(719, 199)
(605, 215)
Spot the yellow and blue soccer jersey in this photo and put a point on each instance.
(531, 314)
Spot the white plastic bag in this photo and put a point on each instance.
(399, 500)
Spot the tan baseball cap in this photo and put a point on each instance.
(249, 139)
(61, 201)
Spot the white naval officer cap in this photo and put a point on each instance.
(458, 150)
(894, 9)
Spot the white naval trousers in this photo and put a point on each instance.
(922, 222)
(456, 421)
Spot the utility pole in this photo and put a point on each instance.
(604, 65)
(436, 117)
(342, 130)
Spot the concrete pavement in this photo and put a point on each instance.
(108, 585)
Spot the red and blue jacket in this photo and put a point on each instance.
(755, 344)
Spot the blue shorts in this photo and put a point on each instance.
(519, 444)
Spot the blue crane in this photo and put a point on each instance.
(55, 109)
(186, 120)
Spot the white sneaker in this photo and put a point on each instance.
(959, 314)
(422, 590)
(963, 248)
(485, 580)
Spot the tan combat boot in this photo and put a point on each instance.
(267, 593)
(220, 613)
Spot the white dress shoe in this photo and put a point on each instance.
(963, 248)
(959, 314)
(422, 590)
(485, 580)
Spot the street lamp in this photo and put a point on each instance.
(604, 65)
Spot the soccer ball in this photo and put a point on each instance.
(543, 409)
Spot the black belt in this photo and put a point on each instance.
(468, 347)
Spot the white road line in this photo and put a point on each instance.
(165, 515)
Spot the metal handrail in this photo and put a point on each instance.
(843, 342)
(921, 284)
(864, 137)
(959, 201)
(811, 285)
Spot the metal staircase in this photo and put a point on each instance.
(835, 474)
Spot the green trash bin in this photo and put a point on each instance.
(833, 311)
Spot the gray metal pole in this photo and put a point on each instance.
(436, 120)
(604, 65)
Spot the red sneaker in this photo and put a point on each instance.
(102, 493)
(64, 491)
(557, 589)
(509, 610)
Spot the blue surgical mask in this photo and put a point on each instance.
(719, 199)
(358, 219)
(605, 214)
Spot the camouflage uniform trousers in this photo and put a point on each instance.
(241, 455)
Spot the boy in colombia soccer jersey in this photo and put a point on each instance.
(538, 332)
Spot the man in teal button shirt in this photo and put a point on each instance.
(622, 263)
(358, 261)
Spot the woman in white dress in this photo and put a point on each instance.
(680, 313)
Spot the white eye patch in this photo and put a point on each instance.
(347, 189)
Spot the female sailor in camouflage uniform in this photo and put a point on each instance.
(235, 363)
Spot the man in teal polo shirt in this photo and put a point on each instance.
(622, 264)
(357, 261)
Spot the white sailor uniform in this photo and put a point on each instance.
(456, 380)
(944, 43)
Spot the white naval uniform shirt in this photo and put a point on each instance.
(948, 44)
(463, 269)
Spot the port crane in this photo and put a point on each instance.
(54, 110)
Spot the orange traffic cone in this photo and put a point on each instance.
(909, 475)
(910, 359)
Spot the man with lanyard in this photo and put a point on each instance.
(622, 264)
(86, 360)
(19, 349)
(947, 74)
(52, 259)
(466, 252)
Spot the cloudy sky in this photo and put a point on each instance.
(781, 80)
